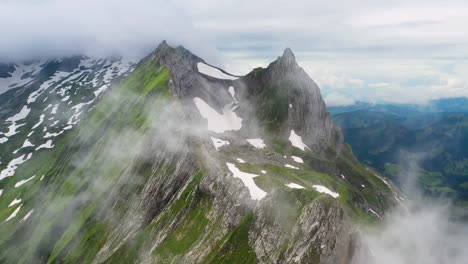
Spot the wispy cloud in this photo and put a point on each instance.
(371, 41)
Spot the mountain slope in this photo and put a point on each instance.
(432, 147)
(182, 162)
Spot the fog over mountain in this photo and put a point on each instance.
(270, 131)
(399, 51)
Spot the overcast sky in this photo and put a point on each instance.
(393, 51)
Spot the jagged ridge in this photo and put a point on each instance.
(130, 186)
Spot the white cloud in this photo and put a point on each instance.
(341, 44)
(336, 99)
(381, 84)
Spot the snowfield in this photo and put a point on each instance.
(233, 94)
(27, 216)
(14, 213)
(240, 160)
(290, 166)
(294, 186)
(213, 72)
(23, 113)
(15, 201)
(297, 159)
(247, 178)
(218, 143)
(13, 165)
(18, 184)
(46, 145)
(257, 142)
(323, 189)
(296, 141)
(18, 78)
(218, 123)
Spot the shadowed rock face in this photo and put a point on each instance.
(284, 95)
(321, 234)
(306, 112)
(6, 69)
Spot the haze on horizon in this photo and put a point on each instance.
(377, 51)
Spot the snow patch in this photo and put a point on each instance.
(257, 142)
(14, 213)
(13, 165)
(294, 186)
(12, 129)
(218, 143)
(263, 171)
(100, 90)
(240, 160)
(54, 79)
(23, 113)
(54, 109)
(217, 122)
(15, 201)
(296, 141)
(26, 144)
(297, 159)
(290, 166)
(17, 77)
(247, 178)
(233, 93)
(374, 212)
(323, 189)
(41, 119)
(213, 72)
(18, 184)
(27, 216)
(46, 145)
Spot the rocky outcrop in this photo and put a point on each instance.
(294, 231)
(298, 96)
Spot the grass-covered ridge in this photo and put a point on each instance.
(79, 173)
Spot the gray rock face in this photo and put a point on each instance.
(299, 95)
(321, 233)
(306, 111)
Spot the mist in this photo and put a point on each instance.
(423, 234)
(50, 28)
(416, 50)
(422, 231)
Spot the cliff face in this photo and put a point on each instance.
(184, 163)
(285, 85)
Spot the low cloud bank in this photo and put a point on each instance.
(423, 234)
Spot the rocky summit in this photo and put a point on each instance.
(174, 160)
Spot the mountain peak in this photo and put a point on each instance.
(288, 54)
(163, 44)
(287, 61)
(163, 48)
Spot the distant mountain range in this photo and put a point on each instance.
(446, 105)
(426, 146)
